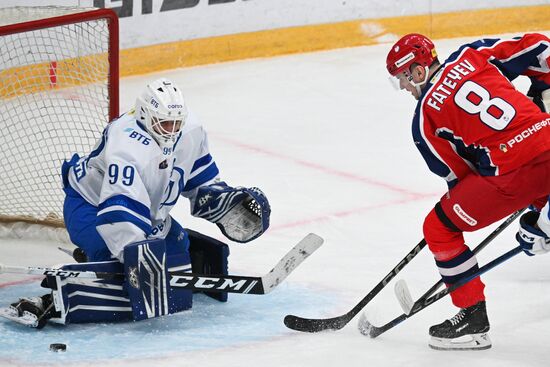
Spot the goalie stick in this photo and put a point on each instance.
(336, 323)
(372, 331)
(197, 282)
(366, 328)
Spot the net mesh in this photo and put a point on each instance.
(54, 101)
(19, 14)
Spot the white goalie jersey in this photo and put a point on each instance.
(135, 183)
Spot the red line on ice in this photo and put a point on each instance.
(18, 282)
(325, 169)
(342, 214)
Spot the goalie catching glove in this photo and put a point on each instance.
(241, 213)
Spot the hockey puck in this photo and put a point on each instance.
(58, 347)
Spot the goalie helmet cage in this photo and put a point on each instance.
(58, 90)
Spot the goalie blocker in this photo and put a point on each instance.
(144, 293)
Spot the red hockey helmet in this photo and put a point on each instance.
(412, 48)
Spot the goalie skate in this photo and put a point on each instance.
(32, 311)
(26, 319)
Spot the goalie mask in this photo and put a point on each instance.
(162, 111)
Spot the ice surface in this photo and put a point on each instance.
(328, 140)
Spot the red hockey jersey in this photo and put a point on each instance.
(470, 118)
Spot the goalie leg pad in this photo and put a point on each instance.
(177, 248)
(148, 284)
(101, 300)
(178, 259)
(209, 256)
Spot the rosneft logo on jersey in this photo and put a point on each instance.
(531, 130)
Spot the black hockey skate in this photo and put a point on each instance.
(30, 311)
(467, 330)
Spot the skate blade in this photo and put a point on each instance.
(28, 319)
(466, 342)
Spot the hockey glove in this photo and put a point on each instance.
(540, 98)
(532, 239)
(241, 213)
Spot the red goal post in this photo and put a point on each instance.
(58, 89)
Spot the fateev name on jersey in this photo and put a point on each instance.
(457, 72)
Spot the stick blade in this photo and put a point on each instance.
(403, 295)
(314, 325)
(364, 326)
(308, 245)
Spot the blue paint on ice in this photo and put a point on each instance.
(210, 324)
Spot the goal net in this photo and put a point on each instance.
(58, 89)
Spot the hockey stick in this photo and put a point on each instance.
(336, 323)
(374, 331)
(366, 328)
(197, 282)
(37, 270)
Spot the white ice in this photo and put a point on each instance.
(328, 139)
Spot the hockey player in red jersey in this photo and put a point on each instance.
(491, 143)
